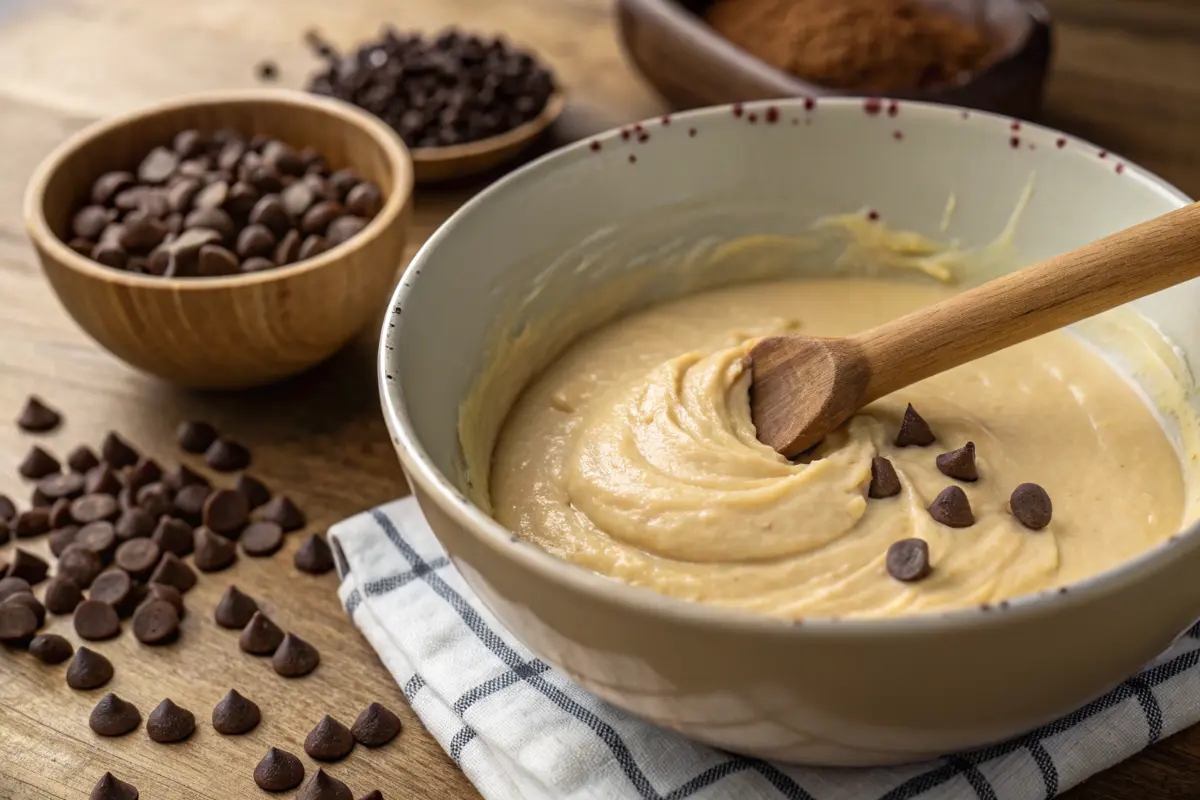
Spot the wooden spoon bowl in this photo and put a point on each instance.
(241, 330)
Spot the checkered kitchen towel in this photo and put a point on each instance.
(521, 731)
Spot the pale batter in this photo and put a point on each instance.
(634, 455)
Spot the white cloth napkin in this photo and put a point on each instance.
(521, 731)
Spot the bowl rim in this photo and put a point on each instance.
(602, 589)
(398, 158)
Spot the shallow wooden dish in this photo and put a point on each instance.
(436, 164)
(241, 330)
(692, 65)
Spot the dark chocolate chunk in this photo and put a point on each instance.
(37, 417)
(283, 512)
(61, 485)
(261, 636)
(374, 795)
(173, 572)
(27, 566)
(50, 648)
(145, 472)
(60, 514)
(959, 464)
(257, 264)
(80, 565)
(116, 589)
(226, 512)
(135, 523)
(96, 621)
(212, 553)
(32, 603)
(39, 500)
(324, 787)
(142, 231)
(344, 228)
(155, 622)
(8, 509)
(11, 586)
(952, 508)
(914, 430)
(33, 522)
(295, 657)
(38, 464)
(18, 623)
(94, 508)
(113, 716)
(288, 249)
(226, 455)
(254, 490)
(173, 536)
(99, 537)
(269, 213)
(330, 740)
(216, 260)
(189, 502)
(195, 436)
(364, 200)
(180, 476)
(110, 788)
(279, 771)
(312, 246)
(166, 593)
(908, 560)
(375, 726)
(235, 609)
(109, 184)
(88, 670)
(1031, 505)
(102, 480)
(170, 723)
(235, 715)
(82, 459)
(317, 219)
(62, 595)
(138, 557)
(261, 539)
(117, 452)
(158, 165)
(313, 556)
(297, 198)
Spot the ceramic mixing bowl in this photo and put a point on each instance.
(528, 264)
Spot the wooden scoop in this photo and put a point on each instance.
(804, 387)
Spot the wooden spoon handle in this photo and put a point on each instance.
(1038, 299)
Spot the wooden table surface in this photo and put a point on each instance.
(1127, 77)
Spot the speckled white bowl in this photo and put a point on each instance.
(826, 691)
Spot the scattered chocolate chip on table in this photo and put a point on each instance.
(295, 658)
(375, 726)
(261, 636)
(260, 539)
(235, 715)
(114, 716)
(169, 723)
(314, 556)
(88, 670)
(111, 788)
(279, 771)
(50, 648)
(323, 786)
(37, 417)
(235, 609)
(96, 621)
(329, 740)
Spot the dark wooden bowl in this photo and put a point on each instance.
(692, 65)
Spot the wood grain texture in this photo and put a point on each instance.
(1127, 77)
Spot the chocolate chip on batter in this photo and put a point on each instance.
(235, 609)
(37, 417)
(952, 508)
(295, 657)
(908, 560)
(50, 648)
(62, 595)
(279, 771)
(914, 430)
(1031, 506)
(38, 464)
(235, 715)
(82, 459)
(884, 480)
(173, 572)
(117, 452)
(27, 566)
(226, 512)
(173, 536)
(261, 636)
(110, 788)
(313, 556)
(322, 786)
(96, 621)
(213, 553)
(330, 740)
(195, 437)
(375, 726)
(169, 722)
(88, 670)
(959, 464)
(113, 716)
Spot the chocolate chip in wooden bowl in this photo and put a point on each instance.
(235, 715)
(88, 670)
(279, 771)
(364, 200)
(226, 455)
(295, 658)
(108, 185)
(261, 636)
(114, 716)
(212, 552)
(330, 740)
(173, 536)
(11, 586)
(226, 512)
(884, 480)
(96, 621)
(155, 622)
(62, 595)
(195, 436)
(173, 572)
(952, 508)
(322, 786)
(38, 464)
(908, 560)
(95, 508)
(166, 593)
(102, 480)
(914, 430)
(82, 459)
(170, 723)
(32, 603)
(50, 648)
(283, 512)
(36, 416)
(959, 464)
(158, 165)
(261, 539)
(18, 623)
(138, 557)
(117, 452)
(179, 476)
(27, 566)
(254, 490)
(1031, 506)
(79, 565)
(99, 537)
(376, 726)
(31, 523)
(235, 609)
(135, 523)
(314, 556)
(111, 788)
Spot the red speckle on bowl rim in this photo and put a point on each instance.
(752, 117)
(691, 131)
(666, 119)
(772, 115)
(872, 105)
(643, 136)
(1032, 146)
(1103, 154)
(632, 158)
(738, 110)
(1016, 125)
(897, 135)
(893, 108)
(625, 134)
(595, 145)
(872, 215)
(1015, 142)
(1061, 143)
(1120, 169)
(965, 114)
(810, 103)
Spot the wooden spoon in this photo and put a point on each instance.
(804, 387)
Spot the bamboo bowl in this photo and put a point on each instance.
(242, 330)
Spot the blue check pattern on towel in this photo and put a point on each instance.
(521, 731)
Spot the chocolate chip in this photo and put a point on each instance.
(168, 594)
(158, 165)
(213, 552)
(80, 565)
(8, 509)
(226, 512)
(914, 430)
(95, 508)
(341, 182)
(60, 485)
(60, 515)
(144, 473)
(88, 670)
(62, 538)
(255, 241)
(96, 621)
(155, 622)
(254, 490)
(284, 513)
(374, 795)
(155, 499)
(189, 501)
(170, 723)
(324, 787)
(375, 726)
(344, 228)
(102, 480)
(33, 522)
(279, 771)
(142, 232)
(235, 610)
(109, 184)
(288, 249)
(295, 657)
(135, 523)
(173, 572)
(216, 261)
(180, 476)
(114, 588)
(261, 636)
(82, 460)
(269, 213)
(330, 740)
(235, 715)
(117, 452)
(11, 586)
(37, 417)
(1031, 505)
(241, 200)
(113, 716)
(39, 500)
(283, 158)
(110, 254)
(32, 603)
(27, 566)
(952, 508)
(959, 464)
(226, 455)
(313, 556)
(4, 533)
(173, 536)
(138, 557)
(209, 219)
(317, 219)
(908, 560)
(182, 194)
(62, 595)
(195, 436)
(38, 464)
(50, 648)
(110, 788)
(297, 198)
(99, 537)
(312, 246)
(231, 154)
(18, 623)
(364, 200)
(90, 221)
(261, 539)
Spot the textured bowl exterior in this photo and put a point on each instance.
(821, 691)
(238, 331)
